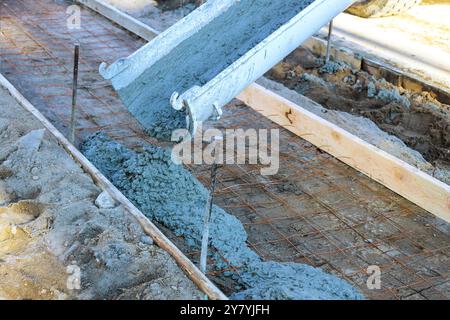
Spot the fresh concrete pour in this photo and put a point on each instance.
(200, 58)
(169, 194)
(361, 127)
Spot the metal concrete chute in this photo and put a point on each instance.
(125, 70)
(189, 72)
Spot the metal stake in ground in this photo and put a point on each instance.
(74, 92)
(330, 31)
(207, 215)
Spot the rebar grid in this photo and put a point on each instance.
(314, 181)
(316, 210)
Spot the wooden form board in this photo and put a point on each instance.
(402, 178)
(203, 283)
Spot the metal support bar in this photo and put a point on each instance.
(330, 31)
(74, 92)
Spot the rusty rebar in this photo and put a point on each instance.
(76, 58)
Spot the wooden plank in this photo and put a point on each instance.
(160, 239)
(402, 178)
(122, 19)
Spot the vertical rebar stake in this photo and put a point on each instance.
(207, 214)
(74, 92)
(207, 218)
(330, 31)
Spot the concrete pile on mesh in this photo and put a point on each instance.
(171, 195)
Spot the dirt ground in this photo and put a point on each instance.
(418, 119)
(51, 225)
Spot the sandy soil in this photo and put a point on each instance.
(52, 224)
(385, 219)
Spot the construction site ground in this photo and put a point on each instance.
(416, 40)
(403, 40)
(58, 240)
(316, 210)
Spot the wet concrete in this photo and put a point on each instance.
(148, 96)
(171, 195)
